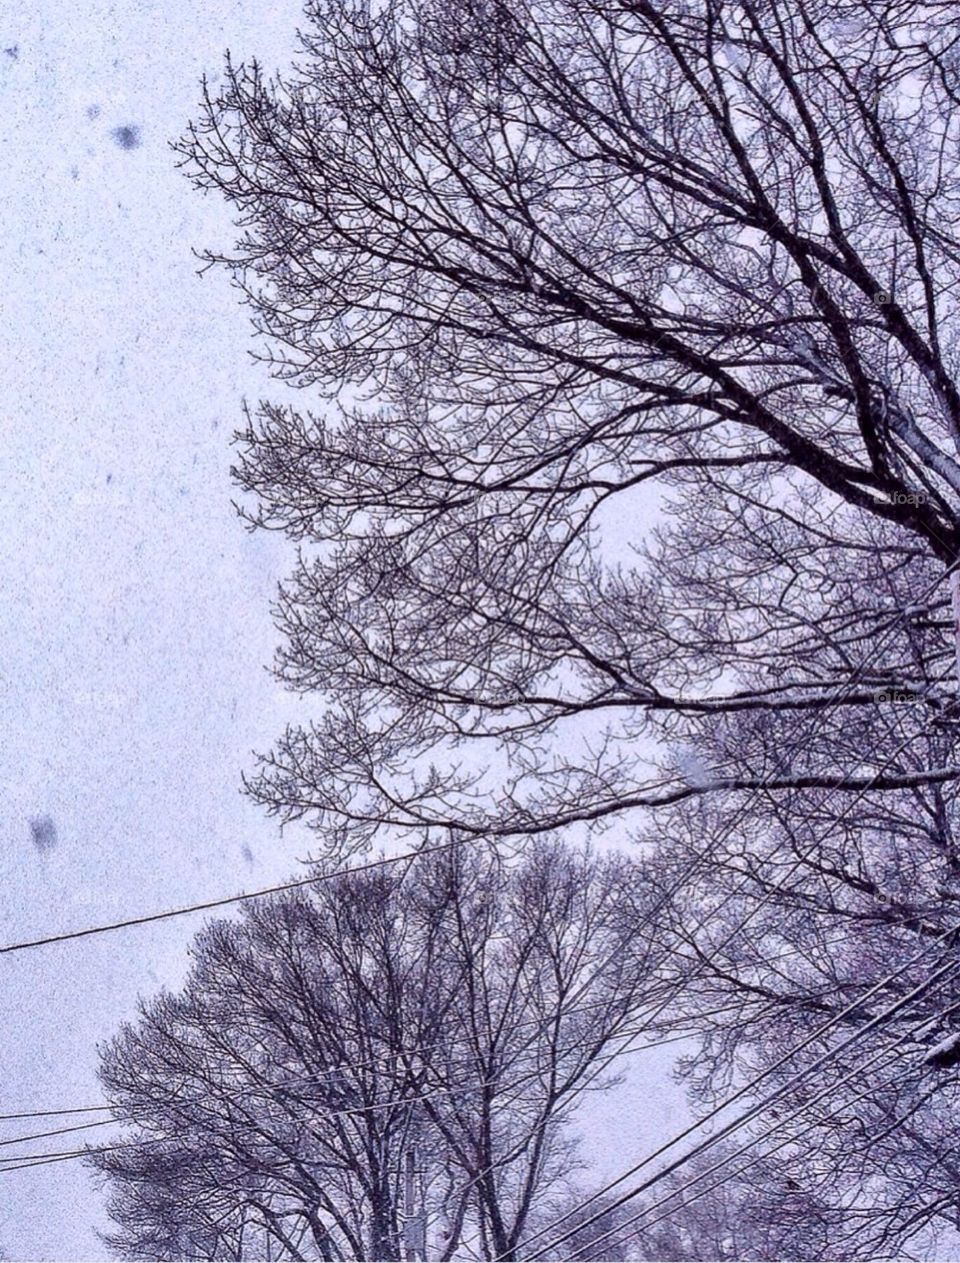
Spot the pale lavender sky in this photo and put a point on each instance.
(134, 621)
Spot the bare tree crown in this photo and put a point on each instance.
(626, 487)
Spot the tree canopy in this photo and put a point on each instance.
(382, 1068)
(625, 493)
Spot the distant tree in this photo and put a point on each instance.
(381, 1069)
(603, 1239)
(743, 1212)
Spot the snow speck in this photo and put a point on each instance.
(694, 771)
(43, 833)
(127, 137)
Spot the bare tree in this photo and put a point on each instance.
(549, 272)
(551, 264)
(381, 1070)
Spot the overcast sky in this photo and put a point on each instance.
(134, 619)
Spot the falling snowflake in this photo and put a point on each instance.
(43, 833)
(127, 137)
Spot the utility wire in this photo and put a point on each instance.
(390, 860)
(264, 1089)
(799, 1112)
(384, 861)
(268, 1088)
(797, 864)
(318, 878)
(780, 885)
(303, 882)
(388, 1055)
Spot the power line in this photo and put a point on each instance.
(52, 1158)
(265, 1089)
(269, 1088)
(382, 862)
(800, 1111)
(59, 1131)
(47, 1159)
(303, 882)
(779, 886)
(390, 860)
(78, 1109)
(321, 1075)
(340, 1068)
